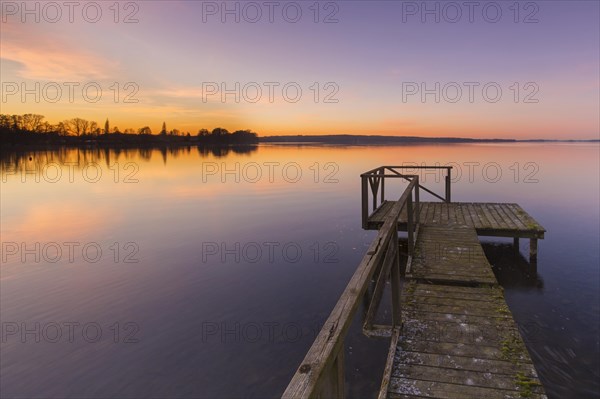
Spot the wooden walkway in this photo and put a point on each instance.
(458, 338)
(450, 255)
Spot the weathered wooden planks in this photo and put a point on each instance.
(488, 219)
(460, 342)
(451, 255)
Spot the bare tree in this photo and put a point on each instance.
(77, 126)
(62, 129)
(46, 127)
(5, 121)
(32, 122)
(94, 129)
(85, 125)
(17, 122)
(145, 130)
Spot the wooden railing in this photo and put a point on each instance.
(321, 374)
(374, 181)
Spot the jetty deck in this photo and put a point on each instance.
(488, 219)
(452, 334)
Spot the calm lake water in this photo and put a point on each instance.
(191, 274)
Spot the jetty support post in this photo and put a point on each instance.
(365, 200)
(533, 250)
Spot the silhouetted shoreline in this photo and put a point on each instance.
(30, 131)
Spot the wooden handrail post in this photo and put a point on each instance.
(365, 200)
(374, 183)
(395, 281)
(332, 385)
(409, 224)
(375, 192)
(417, 203)
(448, 182)
(339, 370)
(382, 173)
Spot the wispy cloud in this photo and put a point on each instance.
(51, 57)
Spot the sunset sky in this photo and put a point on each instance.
(362, 72)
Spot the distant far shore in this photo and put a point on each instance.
(350, 139)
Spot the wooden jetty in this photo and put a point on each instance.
(452, 334)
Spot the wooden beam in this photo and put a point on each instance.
(395, 280)
(391, 257)
(533, 250)
(387, 372)
(448, 183)
(365, 201)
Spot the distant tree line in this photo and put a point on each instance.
(32, 128)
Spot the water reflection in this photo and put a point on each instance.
(511, 268)
(27, 160)
(173, 209)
